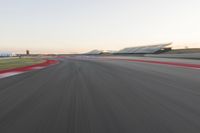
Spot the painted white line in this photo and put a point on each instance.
(8, 74)
(196, 68)
(36, 68)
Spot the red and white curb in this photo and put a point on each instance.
(8, 74)
(175, 64)
(185, 65)
(16, 71)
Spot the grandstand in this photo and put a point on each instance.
(94, 52)
(150, 49)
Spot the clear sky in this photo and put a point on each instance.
(73, 26)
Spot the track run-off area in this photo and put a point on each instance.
(103, 95)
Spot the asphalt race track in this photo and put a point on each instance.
(101, 96)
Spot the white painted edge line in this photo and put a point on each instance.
(8, 74)
(36, 68)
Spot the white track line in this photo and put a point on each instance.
(8, 74)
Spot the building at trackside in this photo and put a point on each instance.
(6, 54)
(149, 49)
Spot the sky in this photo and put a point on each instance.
(78, 26)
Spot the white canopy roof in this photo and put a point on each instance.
(144, 49)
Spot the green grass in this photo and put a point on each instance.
(18, 62)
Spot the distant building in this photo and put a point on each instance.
(27, 52)
(100, 52)
(6, 54)
(149, 49)
(95, 52)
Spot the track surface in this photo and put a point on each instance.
(86, 96)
